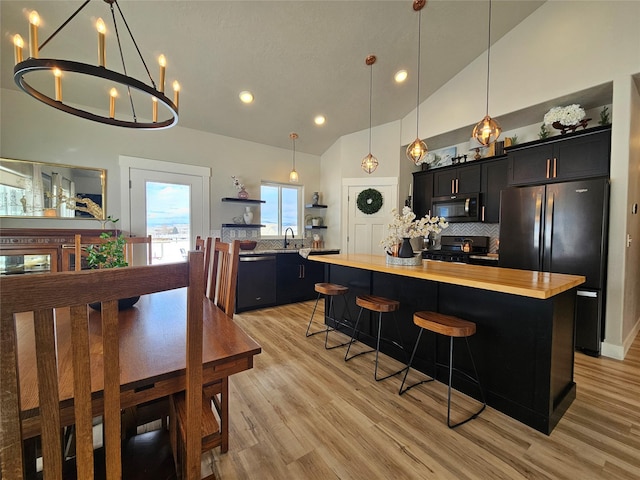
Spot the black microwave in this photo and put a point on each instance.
(457, 208)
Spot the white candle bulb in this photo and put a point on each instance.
(102, 51)
(163, 65)
(34, 21)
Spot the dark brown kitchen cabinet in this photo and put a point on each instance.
(296, 278)
(569, 157)
(422, 193)
(494, 179)
(456, 180)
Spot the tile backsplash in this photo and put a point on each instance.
(491, 230)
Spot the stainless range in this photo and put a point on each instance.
(456, 248)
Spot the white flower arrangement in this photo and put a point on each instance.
(569, 115)
(405, 225)
(236, 183)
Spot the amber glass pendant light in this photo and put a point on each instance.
(487, 130)
(417, 150)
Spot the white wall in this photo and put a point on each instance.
(34, 131)
(562, 48)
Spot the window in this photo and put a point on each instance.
(281, 210)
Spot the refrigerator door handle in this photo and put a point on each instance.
(537, 225)
(548, 233)
(583, 293)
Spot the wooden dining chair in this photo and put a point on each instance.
(205, 244)
(41, 295)
(130, 253)
(72, 254)
(215, 396)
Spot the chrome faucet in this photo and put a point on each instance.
(286, 244)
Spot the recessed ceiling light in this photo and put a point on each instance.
(246, 96)
(319, 120)
(400, 76)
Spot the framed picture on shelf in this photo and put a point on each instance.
(440, 158)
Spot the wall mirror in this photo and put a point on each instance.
(34, 189)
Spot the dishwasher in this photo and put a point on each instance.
(256, 287)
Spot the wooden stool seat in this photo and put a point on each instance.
(331, 289)
(377, 304)
(452, 327)
(447, 325)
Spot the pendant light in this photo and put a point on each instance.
(487, 130)
(370, 163)
(417, 150)
(293, 176)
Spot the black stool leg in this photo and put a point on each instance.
(375, 372)
(406, 373)
(353, 339)
(476, 380)
(338, 323)
(311, 319)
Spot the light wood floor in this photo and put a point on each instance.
(303, 413)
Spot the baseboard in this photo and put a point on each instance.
(620, 351)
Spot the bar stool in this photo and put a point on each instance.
(452, 327)
(330, 290)
(380, 305)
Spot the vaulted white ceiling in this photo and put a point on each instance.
(299, 58)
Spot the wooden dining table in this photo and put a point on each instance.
(152, 354)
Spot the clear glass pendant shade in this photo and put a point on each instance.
(369, 163)
(416, 151)
(487, 131)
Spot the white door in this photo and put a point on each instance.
(169, 206)
(364, 231)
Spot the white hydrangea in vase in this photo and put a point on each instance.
(404, 227)
(566, 118)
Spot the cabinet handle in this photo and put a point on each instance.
(483, 213)
(554, 167)
(453, 190)
(548, 166)
(302, 271)
(457, 189)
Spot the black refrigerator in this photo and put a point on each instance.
(562, 228)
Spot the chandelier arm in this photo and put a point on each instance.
(63, 25)
(135, 44)
(124, 67)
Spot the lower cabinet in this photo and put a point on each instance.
(267, 280)
(296, 277)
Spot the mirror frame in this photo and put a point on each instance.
(86, 207)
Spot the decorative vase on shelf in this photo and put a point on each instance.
(248, 215)
(315, 198)
(243, 194)
(406, 250)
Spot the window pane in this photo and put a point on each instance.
(269, 215)
(290, 209)
(168, 212)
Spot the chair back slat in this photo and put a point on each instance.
(223, 276)
(41, 294)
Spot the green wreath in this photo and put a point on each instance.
(369, 201)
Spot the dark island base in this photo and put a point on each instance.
(523, 346)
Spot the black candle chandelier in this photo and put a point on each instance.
(152, 93)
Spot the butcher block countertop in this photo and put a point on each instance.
(525, 283)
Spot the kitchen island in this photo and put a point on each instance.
(524, 344)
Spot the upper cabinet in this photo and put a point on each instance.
(494, 179)
(422, 193)
(579, 155)
(452, 181)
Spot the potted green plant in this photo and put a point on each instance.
(110, 254)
